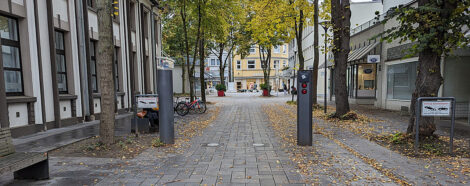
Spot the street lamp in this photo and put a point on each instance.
(325, 26)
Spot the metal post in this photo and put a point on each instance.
(326, 71)
(452, 129)
(304, 107)
(165, 94)
(418, 111)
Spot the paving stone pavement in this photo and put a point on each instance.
(237, 159)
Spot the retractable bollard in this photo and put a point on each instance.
(165, 93)
(304, 108)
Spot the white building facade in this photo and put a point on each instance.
(50, 77)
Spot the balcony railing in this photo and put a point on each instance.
(367, 25)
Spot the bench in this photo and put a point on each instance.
(24, 165)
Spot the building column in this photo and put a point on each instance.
(55, 91)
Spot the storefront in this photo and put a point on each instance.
(361, 73)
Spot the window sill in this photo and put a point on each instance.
(20, 99)
(63, 97)
(98, 95)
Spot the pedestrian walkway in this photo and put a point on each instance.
(238, 148)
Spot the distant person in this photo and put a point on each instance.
(293, 90)
(285, 89)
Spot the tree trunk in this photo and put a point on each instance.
(316, 55)
(221, 65)
(428, 80)
(186, 42)
(341, 14)
(299, 33)
(201, 67)
(183, 73)
(191, 70)
(266, 65)
(105, 64)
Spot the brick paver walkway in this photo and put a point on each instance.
(238, 148)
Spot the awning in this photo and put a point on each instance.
(361, 52)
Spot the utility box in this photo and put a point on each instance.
(304, 107)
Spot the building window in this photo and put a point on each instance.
(94, 77)
(61, 62)
(253, 49)
(218, 62)
(276, 64)
(401, 80)
(239, 65)
(12, 71)
(116, 68)
(284, 64)
(285, 48)
(251, 64)
(90, 3)
(212, 62)
(277, 49)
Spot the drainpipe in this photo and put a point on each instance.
(4, 121)
(55, 90)
(41, 78)
(86, 32)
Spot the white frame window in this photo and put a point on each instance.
(239, 65)
(253, 49)
(212, 62)
(251, 64)
(277, 49)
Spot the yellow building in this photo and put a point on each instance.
(248, 74)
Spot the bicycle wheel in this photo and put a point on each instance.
(182, 109)
(200, 107)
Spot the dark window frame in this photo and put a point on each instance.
(93, 58)
(62, 53)
(116, 68)
(17, 44)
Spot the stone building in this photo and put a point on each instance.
(49, 69)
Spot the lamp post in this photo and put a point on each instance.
(325, 27)
(293, 77)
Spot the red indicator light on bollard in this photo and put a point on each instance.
(304, 85)
(304, 91)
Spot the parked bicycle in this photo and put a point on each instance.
(183, 107)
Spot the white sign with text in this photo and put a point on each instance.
(147, 102)
(435, 108)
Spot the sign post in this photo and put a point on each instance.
(304, 108)
(435, 106)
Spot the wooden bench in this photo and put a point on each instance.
(24, 165)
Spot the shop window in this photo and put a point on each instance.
(251, 64)
(12, 68)
(94, 76)
(61, 62)
(401, 81)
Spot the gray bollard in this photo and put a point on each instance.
(304, 108)
(165, 97)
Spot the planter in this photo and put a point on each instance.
(220, 93)
(265, 92)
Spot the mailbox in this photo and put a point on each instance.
(304, 108)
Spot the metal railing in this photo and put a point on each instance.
(367, 24)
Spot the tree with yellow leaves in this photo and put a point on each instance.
(268, 28)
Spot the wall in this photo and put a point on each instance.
(456, 82)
